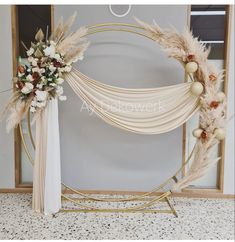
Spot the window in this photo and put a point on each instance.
(210, 24)
(26, 20)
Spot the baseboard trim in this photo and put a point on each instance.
(194, 194)
(16, 190)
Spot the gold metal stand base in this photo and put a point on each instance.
(116, 211)
(144, 208)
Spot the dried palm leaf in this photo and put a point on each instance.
(38, 53)
(16, 113)
(39, 35)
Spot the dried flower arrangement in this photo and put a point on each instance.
(193, 55)
(48, 59)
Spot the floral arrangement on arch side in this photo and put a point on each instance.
(207, 80)
(41, 79)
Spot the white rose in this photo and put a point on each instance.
(68, 68)
(25, 90)
(39, 86)
(34, 103)
(30, 51)
(28, 87)
(57, 57)
(29, 77)
(30, 58)
(20, 74)
(50, 51)
(52, 84)
(32, 109)
(59, 90)
(41, 95)
(62, 98)
(36, 69)
(34, 62)
(42, 70)
(52, 68)
(60, 80)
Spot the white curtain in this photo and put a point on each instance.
(47, 175)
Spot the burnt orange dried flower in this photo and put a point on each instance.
(204, 135)
(21, 69)
(212, 77)
(214, 104)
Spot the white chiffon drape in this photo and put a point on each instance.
(47, 174)
(143, 111)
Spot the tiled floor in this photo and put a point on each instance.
(198, 219)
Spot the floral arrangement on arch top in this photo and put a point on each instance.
(48, 60)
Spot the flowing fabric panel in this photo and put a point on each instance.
(144, 111)
(47, 177)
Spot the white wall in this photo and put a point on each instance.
(7, 178)
(96, 155)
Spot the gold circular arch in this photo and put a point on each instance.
(99, 28)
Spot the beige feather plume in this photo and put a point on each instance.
(62, 28)
(72, 46)
(177, 46)
(76, 54)
(69, 23)
(15, 110)
(58, 31)
(71, 41)
(16, 113)
(201, 163)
